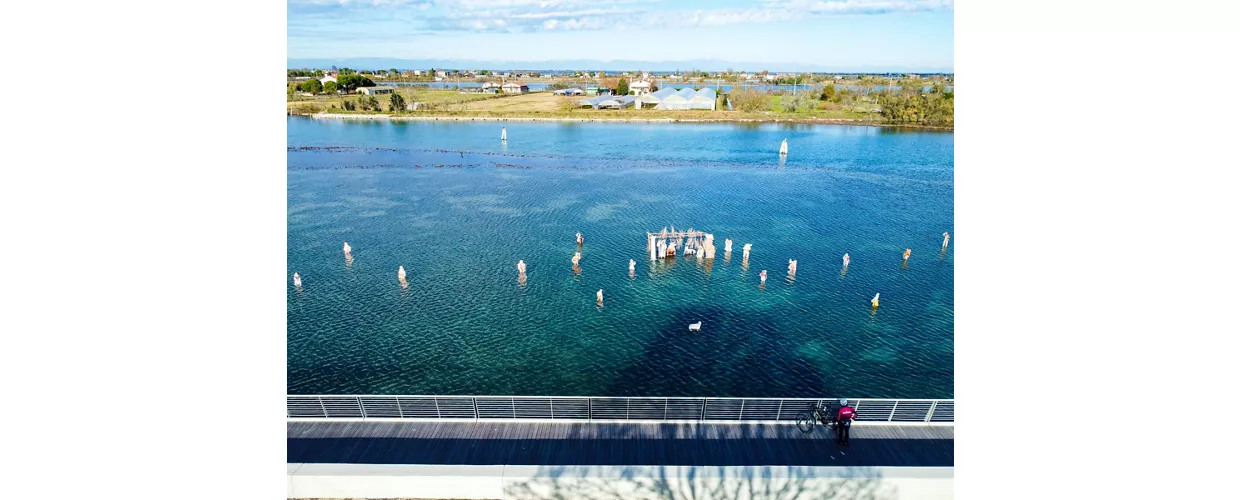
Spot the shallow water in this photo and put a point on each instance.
(457, 208)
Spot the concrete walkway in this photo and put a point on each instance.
(559, 443)
(627, 482)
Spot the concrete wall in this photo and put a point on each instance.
(635, 482)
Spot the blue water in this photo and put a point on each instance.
(457, 208)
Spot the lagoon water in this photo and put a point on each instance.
(457, 208)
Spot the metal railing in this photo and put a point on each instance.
(581, 408)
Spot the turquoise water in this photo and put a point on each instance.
(457, 208)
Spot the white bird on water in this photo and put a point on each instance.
(695, 327)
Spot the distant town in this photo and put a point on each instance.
(871, 98)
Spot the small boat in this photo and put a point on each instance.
(695, 327)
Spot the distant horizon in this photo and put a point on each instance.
(382, 63)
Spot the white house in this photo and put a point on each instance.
(417, 72)
(328, 78)
(441, 74)
(491, 87)
(515, 88)
(640, 87)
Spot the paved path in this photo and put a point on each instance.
(627, 444)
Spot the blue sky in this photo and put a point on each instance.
(841, 34)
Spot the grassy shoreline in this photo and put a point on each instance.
(544, 107)
(526, 117)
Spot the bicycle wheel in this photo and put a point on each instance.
(805, 422)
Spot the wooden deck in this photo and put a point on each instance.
(519, 443)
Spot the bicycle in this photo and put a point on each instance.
(819, 414)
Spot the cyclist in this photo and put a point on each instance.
(843, 420)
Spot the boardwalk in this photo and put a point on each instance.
(550, 444)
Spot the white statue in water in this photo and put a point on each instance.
(400, 273)
(296, 280)
(576, 258)
(521, 267)
(792, 266)
(762, 276)
(846, 260)
(632, 265)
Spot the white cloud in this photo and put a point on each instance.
(567, 15)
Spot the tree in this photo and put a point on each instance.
(484, 72)
(372, 103)
(352, 81)
(331, 87)
(349, 105)
(393, 72)
(749, 100)
(622, 87)
(311, 86)
(797, 103)
(828, 92)
(396, 102)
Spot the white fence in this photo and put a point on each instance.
(582, 408)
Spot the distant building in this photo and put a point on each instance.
(375, 90)
(572, 91)
(515, 88)
(640, 87)
(417, 72)
(328, 78)
(491, 87)
(441, 74)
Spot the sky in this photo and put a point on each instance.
(834, 34)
